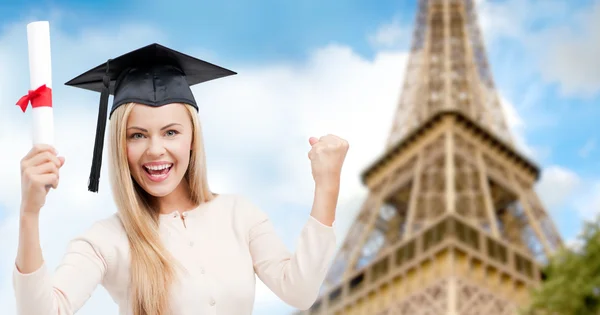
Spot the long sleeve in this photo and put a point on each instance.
(66, 290)
(295, 278)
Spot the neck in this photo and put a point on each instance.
(178, 200)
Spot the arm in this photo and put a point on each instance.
(295, 278)
(29, 252)
(39, 292)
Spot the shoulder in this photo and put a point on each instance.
(239, 204)
(108, 229)
(105, 236)
(241, 208)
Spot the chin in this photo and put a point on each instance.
(158, 191)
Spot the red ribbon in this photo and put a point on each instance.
(41, 96)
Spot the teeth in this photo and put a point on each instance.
(158, 167)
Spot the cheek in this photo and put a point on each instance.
(181, 150)
(133, 156)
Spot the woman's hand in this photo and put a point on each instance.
(39, 171)
(327, 157)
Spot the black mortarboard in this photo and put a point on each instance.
(153, 75)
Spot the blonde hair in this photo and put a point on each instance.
(152, 268)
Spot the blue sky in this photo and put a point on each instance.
(246, 31)
(305, 58)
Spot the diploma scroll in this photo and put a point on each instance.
(40, 80)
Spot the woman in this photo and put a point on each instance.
(173, 247)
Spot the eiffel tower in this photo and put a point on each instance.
(451, 224)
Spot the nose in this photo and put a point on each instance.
(155, 148)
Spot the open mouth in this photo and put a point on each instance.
(158, 170)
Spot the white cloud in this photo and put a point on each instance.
(556, 185)
(262, 117)
(280, 108)
(561, 189)
(498, 19)
(392, 34)
(565, 49)
(588, 205)
(573, 54)
(518, 131)
(513, 18)
(587, 148)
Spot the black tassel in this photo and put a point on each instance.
(94, 180)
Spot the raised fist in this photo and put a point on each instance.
(327, 156)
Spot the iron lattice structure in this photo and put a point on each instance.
(451, 224)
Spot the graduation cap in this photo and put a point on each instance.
(153, 75)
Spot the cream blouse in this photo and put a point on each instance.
(222, 245)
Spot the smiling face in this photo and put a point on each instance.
(159, 140)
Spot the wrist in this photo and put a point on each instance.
(325, 219)
(329, 183)
(29, 214)
(325, 203)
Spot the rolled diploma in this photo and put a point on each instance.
(40, 73)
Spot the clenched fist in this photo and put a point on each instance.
(39, 172)
(327, 157)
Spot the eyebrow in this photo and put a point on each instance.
(163, 128)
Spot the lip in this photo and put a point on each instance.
(157, 178)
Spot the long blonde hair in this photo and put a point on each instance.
(152, 267)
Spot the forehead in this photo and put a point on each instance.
(150, 115)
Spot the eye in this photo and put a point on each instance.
(172, 133)
(136, 135)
